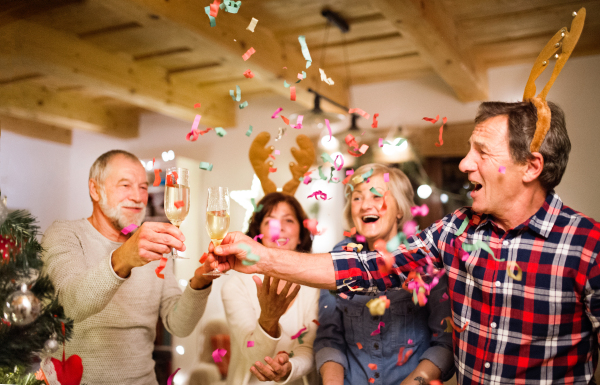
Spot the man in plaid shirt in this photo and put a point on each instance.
(541, 328)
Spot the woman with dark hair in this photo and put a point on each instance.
(270, 319)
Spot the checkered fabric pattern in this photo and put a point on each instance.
(542, 329)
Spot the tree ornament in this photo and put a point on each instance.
(51, 345)
(3, 210)
(22, 307)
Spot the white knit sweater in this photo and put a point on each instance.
(115, 318)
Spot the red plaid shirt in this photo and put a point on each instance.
(541, 329)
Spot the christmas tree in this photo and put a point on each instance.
(32, 323)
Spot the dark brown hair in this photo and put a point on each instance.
(522, 117)
(269, 202)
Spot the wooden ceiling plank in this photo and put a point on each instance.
(65, 56)
(230, 40)
(40, 105)
(36, 130)
(434, 37)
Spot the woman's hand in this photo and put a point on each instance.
(273, 305)
(277, 369)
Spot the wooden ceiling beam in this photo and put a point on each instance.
(36, 130)
(66, 56)
(60, 109)
(230, 40)
(435, 37)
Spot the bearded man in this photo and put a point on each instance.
(106, 280)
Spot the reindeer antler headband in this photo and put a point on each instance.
(259, 154)
(562, 39)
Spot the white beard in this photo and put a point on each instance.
(115, 214)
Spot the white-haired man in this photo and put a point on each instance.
(106, 280)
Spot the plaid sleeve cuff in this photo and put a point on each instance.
(360, 273)
(441, 357)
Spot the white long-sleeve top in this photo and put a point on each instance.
(115, 318)
(243, 310)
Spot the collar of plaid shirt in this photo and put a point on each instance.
(541, 328)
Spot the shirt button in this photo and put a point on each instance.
(493, 325)
(506, 243)
(376, 346)
(487, 365)
(498, 283)
(376, 375)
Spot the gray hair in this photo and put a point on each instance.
(399, 186)
(98, 169)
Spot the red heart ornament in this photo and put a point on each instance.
(68, 372)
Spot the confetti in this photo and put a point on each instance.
(380, 142)
(422, 210)
(211, 19)
(373, 366)
(299, 333)
(220, 131)
(129, 229)
(502, 170)
(305, 52)
(318, 194)
(256, 209)
(363, 148)
(161, 266)
(192, 136)
(249, 132)
(218, 355)
(179, 204)
(272, 169)
(251, 258)
(170, 379)
(359, 111)
(464, 255)
(317, 322)
(403, 357)
(375, 122)
(243, 105)
(375, 192)
(248, 74)
(197, 105)
(299, 122)
(359, 345)
(350, 233)
(377, 306)
(214, 8)
(411, 341)
(450, 325)
(311, 226)
(328, 128)
(293, 95)
(351, 246)
(444, 297)
(206, 166)
(285, 120)
(196, 122)
(157, 179)
(257, 237)
(203, 257)
(462, 227)
(481, 245)
(510, 266)
(410, 228)
(280, 133)
(250, 344)
(378, 330)
(252, 25)
(274, 229)
(441, 142)
(432, 120)
(361, 238)
(232, 6)
(276, 112)
(325, 78)
(386, 177)
(248, 53)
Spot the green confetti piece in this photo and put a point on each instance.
(291, 354)
(481, 245)
(462, 227)
(213, 21)
(331, 177)
(326, 158)
(238, 94)
(397, 144)
(232, 6)
(305, 52)
(375, 192)
(249, 132)
(251, 258)
(206, 166)
(303, 74)
(220, 131)
(321, 174)
(256, 209)
(367, 174)
(395, 242)
(244, 105)
(300, 338)
(286, 84)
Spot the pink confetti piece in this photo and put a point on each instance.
(307, 179)
(161, 266)
(380, 142)
(363, 148)
(196, 122)
(444, 297)
(311, 226)
(464, 255)
(272, 169)
(440, 140)
(409, 228)
(248, 74)
(250, 344)
(218, 355)
(359, 111)
(197, 105)
(274, 229)
(411, 341)
(432, 120)
(170, 379)
(129, 228)
(378, 330)
(293, 95)
(157, 178)
(328, 128)
(375, 122)
(502, 170)
(299, 333)
(276, 112)
(342, 295)
(192, 136)
(318, 194)
(299, 122)
(282, 243)
(350, 172)
(338, 168)
(422, 210)
(257, 237)
(179, 204)
(360, 238)
(386, 177)
(277, 152)
(248, 53)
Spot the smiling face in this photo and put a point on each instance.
(290, 227)
(494, 193)
(367, 216)
(124, 194)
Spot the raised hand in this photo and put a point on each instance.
(277, 368)
(234, 250)
(273, 304)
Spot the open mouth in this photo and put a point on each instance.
(477, 187)
(282, 241)
(370, 218)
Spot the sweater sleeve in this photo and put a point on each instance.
(181, 312)
(303, 360)
(330, 344)
(83, 290)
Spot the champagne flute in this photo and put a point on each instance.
(177, 199)
(217, 217)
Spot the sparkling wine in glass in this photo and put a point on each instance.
(217, 217)
(177, 199)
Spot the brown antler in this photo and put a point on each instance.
(258, 154)
(305, 158)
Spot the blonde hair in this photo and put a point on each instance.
(399, 186)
